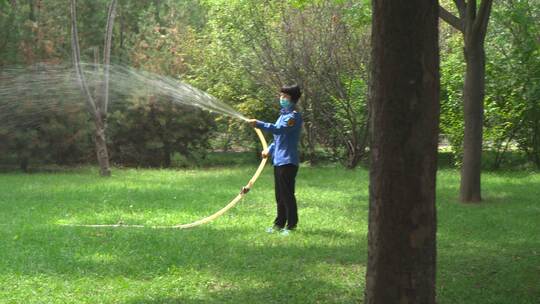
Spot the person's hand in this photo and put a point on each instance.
(265, 153)
(252, 122)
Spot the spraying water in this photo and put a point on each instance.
(45, 87)
(124, 79)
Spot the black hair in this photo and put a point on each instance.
(293, 91)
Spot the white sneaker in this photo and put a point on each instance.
(273, 229)
(270, 230)
(285, 232)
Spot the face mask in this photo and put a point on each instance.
(284, 103)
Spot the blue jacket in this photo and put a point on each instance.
(286, 130)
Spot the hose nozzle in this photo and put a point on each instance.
(244, 190)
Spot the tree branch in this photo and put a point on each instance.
(77, 58)
(461, 6)
(107, 55)
(451, 19)
(470, 16)
(482, 18)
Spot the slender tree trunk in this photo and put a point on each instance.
(24, 164)
(97, 104)
(357, 147)
(404, 135)
(473, 108)
(157, 4)
(103, 102)
(535, 144)
(354, 154)
(472, 21)
(167, 156)
(101, 146)
(32, 11)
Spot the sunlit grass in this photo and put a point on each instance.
(488, 253)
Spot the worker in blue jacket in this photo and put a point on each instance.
(284, 153)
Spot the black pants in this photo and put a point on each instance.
(284, 179)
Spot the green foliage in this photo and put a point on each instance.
(31, 33)
(161, 47)
(313, 43)
(511, 104)
(44, 129)
(452, 71)
(350, 121)
(55, 129)
(516, 51)
(149, 132)
(241, 51)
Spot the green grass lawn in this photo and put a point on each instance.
(487, 253)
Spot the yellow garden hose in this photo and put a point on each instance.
(214, 216)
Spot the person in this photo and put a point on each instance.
(284, 153)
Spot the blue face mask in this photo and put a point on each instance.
(284, 102)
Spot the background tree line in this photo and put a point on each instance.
(241, 51)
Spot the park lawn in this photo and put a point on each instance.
(487, 253)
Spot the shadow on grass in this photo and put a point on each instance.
(490, 251)
(269, 268)
(309, 290)
(137, 253)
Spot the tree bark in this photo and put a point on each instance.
(32, 11)
(107, 45)
(101, 146)
(167, 155)
(24, 164)
(473, 107)
(472, 22)
(404, 105)
(97, 105)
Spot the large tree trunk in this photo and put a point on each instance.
(473, 107)
(404, 135)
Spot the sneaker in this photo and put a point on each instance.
(285, 232)
(273, 229)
